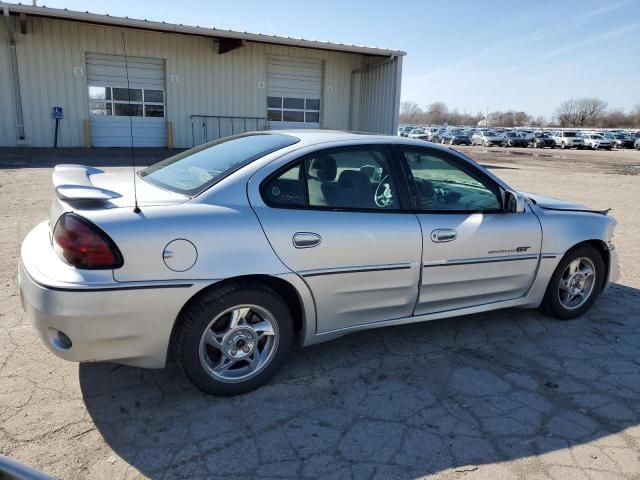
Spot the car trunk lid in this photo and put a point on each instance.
(79, 187)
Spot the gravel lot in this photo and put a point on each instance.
(501, 395)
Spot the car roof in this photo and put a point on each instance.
(312, 137)
(317, 137)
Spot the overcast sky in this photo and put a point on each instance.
(496, 54)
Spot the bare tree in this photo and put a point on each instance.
(437, 113)
(521, 119)
(410, 112)
(567, 113)
(581, 111)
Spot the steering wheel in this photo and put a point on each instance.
(383, 196)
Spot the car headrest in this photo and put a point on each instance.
(323, 168)
(353, 179)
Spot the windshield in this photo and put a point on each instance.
(457, 132)
(195, 170)
(570, 134)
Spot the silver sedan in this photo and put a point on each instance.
(223, 257)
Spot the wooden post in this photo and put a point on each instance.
(87, 133)
(169, 134)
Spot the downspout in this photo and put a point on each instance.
(398, 85)
(13, 67)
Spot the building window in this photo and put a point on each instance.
(126, 102)
(295, 110)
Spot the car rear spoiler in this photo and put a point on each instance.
(73, 183)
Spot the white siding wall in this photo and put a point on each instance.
(379, 91)
(209, 83)
(8, 129)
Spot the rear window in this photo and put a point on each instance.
(195, 170)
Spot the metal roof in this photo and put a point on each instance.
(87, 17)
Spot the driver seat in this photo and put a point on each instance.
(353, 190)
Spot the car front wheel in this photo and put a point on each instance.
(575, 284)
(234, 339)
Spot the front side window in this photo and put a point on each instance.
(444, 184)
(350, 179)
(195, 170)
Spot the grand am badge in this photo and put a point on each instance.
(512, 250)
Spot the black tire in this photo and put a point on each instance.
(197, 317)
(563, 145)
(551, 304)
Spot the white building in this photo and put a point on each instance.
(176, 85)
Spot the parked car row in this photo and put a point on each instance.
(487, 137)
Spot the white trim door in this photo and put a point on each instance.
(294, 92)
(119, 109)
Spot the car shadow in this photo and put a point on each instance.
(399, 402)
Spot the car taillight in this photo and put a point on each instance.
(83, 245)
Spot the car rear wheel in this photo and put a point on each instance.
(234, 339)
(575, 284)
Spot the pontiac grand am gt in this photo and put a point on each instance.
(235, 250)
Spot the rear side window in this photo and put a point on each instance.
(350, 179)
(195, 170)
(287, 189)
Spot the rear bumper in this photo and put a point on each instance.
(128, 323)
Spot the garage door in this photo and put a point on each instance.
(294, 92)
(117, 109)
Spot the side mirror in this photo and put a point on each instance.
(513, 202)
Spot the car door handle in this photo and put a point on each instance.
(306, 239)
(442, 235)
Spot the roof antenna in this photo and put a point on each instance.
(136, 208)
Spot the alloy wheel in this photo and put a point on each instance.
(577, 283)
(239, 343)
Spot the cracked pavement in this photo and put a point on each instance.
(499, 395)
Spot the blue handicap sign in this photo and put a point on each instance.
(56, 113)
